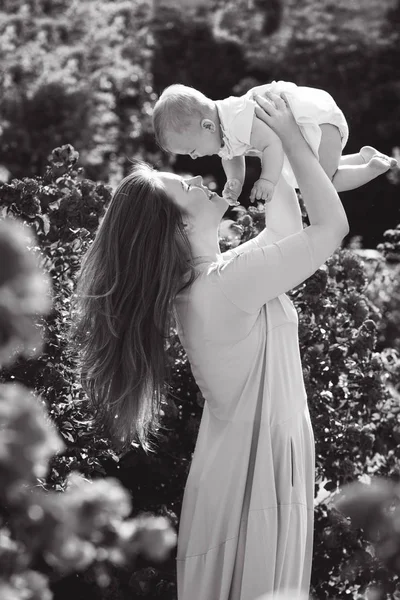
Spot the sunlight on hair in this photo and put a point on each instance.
(128, 281)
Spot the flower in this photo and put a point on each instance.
(29, 585)
(157, 537)
(316, 284)
(28, 439)
(365, 504)
(356, 306)
(95, 505)
(149, 535)
(24, 292)
(71, 553)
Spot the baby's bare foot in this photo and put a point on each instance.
(381, 162)
(367, 152)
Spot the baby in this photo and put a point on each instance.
(185, 121)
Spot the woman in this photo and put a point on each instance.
(247, 516)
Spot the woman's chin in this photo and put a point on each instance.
(219, 199)
(231, 202)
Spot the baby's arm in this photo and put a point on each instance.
(266, 141)
(282, 219)
(235, 169)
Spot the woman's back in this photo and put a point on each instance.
(242, 480)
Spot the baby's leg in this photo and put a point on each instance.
(330, 149)
(350, 176)
(352, 159)
(354, 170)
(364, 156)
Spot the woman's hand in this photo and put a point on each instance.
(275, 111)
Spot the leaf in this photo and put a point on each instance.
(44, 222)
(68, 436)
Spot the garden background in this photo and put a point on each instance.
(77, 83)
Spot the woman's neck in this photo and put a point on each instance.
(204, 245)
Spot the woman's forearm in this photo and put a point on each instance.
(320, 197)
(283, 214)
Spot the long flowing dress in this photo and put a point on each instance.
(246, 526)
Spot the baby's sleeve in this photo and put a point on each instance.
(254, 277)
(242, 123)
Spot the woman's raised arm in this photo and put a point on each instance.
(259, 274)
(328, 221)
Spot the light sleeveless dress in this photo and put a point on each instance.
(246, 526)
(310, 107)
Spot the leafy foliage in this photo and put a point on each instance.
(78, 72)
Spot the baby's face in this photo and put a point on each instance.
(196, 141)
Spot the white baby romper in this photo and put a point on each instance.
(310, 107)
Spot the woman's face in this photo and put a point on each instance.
(198, 204)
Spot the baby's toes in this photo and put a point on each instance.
(381, 163)
(390, 160)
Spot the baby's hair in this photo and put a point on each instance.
(175, 110)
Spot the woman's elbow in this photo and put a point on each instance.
(338, 233)
(343, 228)
(337, 230)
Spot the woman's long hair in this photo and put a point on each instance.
(123, 307)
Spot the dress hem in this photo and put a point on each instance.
(311, 509)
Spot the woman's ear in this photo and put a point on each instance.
(208, 124)
(187, 225)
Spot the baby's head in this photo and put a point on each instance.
(185, 121)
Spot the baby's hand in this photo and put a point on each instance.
(231, 191)
(263, 189)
